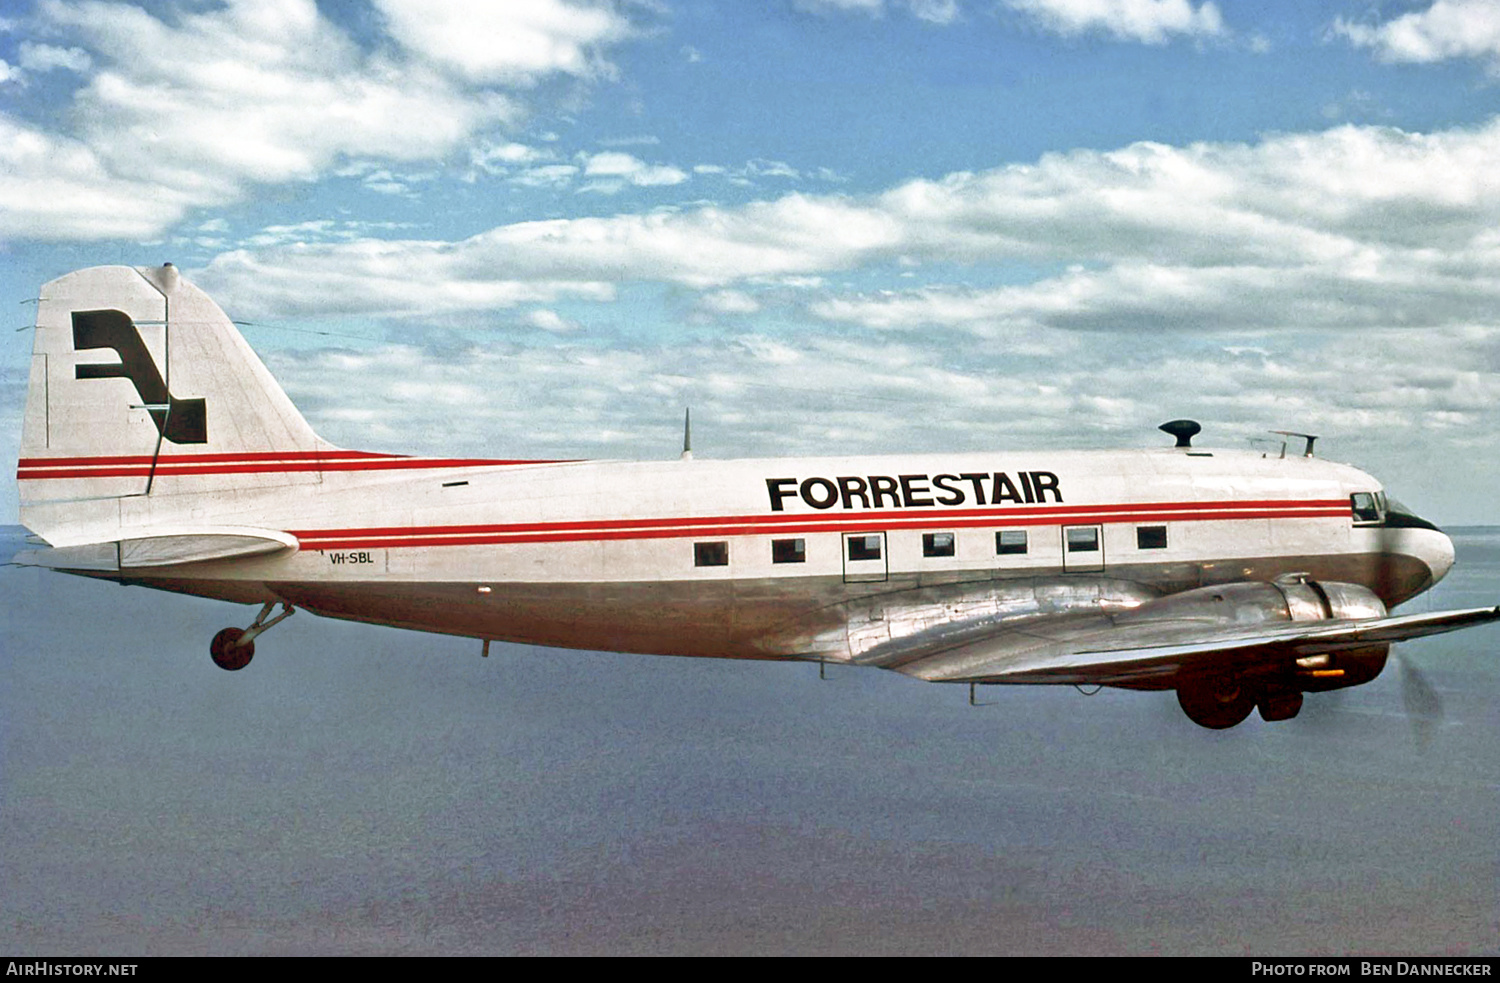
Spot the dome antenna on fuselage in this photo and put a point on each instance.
(1183, 430)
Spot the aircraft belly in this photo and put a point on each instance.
(773, 617)
(661, 618)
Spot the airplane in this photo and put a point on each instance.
(158, 451)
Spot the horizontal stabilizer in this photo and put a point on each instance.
(163, 550)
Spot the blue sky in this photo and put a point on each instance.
(543, 228)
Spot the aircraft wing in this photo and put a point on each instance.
(1092, 650)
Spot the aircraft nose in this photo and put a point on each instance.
(1435, 549)
(1431, 548)
(1415, 558)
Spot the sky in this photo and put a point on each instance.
(544, 228)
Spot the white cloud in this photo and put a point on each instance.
(871, 7)
(702, 248)
(760, 167)
(1447, 29)
(549, 320)
(516, 42)
(613, 169)
(1147, 21)
(57, 188)
(729, 302)
(376, 277)
(817, 394)
(270, 91)
(46, 57)
(9, 72)
(1403, 292)
(643, 140)
(565, 397)
(253, 92)
(386, 183)
(316, 230)
(256, 91)
(1357, 201)
(499, 158)
(752, 170)
(300, 234)
(546, 176)
(934, 11)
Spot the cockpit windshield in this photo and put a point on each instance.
(1377, 509)
(1398, 516)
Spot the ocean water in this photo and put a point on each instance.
(364, 790)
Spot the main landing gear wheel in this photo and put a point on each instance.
(1217, 703)
(233, 648)
(229, 652)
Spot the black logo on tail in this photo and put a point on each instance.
(182, 421)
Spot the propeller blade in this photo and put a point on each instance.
(1424, 707)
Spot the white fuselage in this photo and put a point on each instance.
(749, 558)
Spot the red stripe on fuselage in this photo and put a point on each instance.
(202, 458)
(138, 466)
(747, 525)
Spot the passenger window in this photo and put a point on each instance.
(864, 547)
(788, 551)
(937, 544)
(711, 554)
(1364, 507)
(1151, 537)
(1083, 539)
(1010, 541)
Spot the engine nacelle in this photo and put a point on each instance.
(1337, 670)
(1290, 598)
(1223, 699)
(1319, 599)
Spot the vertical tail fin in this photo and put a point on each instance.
(142, 388)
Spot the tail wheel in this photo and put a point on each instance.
(229, 652)
(1217, 703)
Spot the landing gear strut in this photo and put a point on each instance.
(233, 648)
